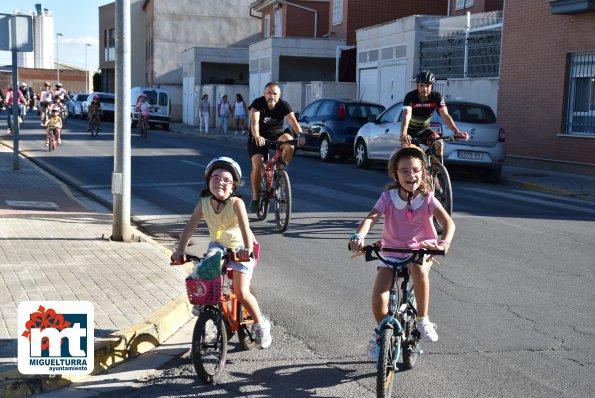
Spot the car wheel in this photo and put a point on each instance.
(326, 150)
(360, 155)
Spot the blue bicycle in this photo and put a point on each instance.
(397, 332)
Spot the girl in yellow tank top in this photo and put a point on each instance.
(226, 217)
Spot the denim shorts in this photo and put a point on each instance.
(427, 265)
(244, 268)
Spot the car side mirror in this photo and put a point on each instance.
(297, 115)
(372, 118)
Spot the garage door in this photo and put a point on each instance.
(392, 83)
(368, 84)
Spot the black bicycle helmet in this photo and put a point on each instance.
(426, 77)
(223, 162)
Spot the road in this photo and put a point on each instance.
(513, 299)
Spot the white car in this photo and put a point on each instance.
(74, 105)
(485, 148)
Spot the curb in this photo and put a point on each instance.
(120, 345)
(557, 191)
(109, 351)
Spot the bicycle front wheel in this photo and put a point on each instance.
(387, 363)
(209, 346)
(442, 190)
(282, 200)
(411, 345)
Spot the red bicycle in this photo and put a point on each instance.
(275, 186)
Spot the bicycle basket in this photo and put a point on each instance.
(204, 291)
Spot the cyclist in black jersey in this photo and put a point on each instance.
(419, 106)
(267, 114)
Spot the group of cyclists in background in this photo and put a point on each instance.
(51, 106)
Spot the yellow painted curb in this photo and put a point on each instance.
(541, 188)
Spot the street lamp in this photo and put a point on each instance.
(57, 57)
(86, 73)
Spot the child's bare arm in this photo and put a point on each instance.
(357, 239)
(448, 227)
(188, 231)
(239, 208)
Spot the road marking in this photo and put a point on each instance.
(522, 196)
(31, 204)
(193, 163)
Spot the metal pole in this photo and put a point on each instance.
(57, 55)
(86, 72)
(121, 174)
(466, 60)
(15, 99)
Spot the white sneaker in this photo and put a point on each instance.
(262, 333)
(427, 330)
(372, 350)
(197, 309)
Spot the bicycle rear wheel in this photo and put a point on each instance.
(263, 199)
(209, 346)
(282, 196)
(442, 190)
(387, 363)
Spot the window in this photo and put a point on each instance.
(580, 115)
(267, 26)
(110, 45)
(310, 111)
(337, 12)
(464, 4)
(391, 113)
(326, 109)
(278, 23)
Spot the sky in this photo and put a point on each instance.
(77, 20)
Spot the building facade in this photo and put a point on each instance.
(547, 82)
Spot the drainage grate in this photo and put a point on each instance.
(28, 204)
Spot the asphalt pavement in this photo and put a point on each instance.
(54, 245)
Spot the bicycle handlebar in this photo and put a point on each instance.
(418, 141)
(231, 256)
(278, 144)
(377, 247)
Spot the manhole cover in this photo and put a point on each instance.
(28, 204)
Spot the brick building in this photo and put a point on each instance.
(546, 100)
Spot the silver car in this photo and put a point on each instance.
(485, 149)
(74, 105)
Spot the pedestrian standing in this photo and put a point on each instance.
(239, 113)
(223, 111)
(203, 108)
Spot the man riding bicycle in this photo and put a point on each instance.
(419, 106)
(267, 114)
(94, 112)
(142, 109)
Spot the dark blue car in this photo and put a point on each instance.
(330, 125)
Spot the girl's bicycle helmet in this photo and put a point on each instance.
(223, 162)
(409, 151)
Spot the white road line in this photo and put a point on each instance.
(193, 163)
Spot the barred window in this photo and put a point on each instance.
(580, 114)
(337, 12)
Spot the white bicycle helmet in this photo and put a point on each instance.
(224, 162)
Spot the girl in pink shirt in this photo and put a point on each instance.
(408, 207)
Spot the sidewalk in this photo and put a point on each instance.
(52, 247)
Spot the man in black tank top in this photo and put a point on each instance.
(419, 106)
(267, 114)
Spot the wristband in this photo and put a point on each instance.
(356, 236)
(444, 243)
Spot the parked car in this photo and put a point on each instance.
(485, 148)
(107, 101)
(330, 125)
(159, 106)
(74, 106)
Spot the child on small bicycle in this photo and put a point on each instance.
(408, 206)
(54, 122)
(94, 111)
(227, 220)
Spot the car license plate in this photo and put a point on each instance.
(470, 155)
